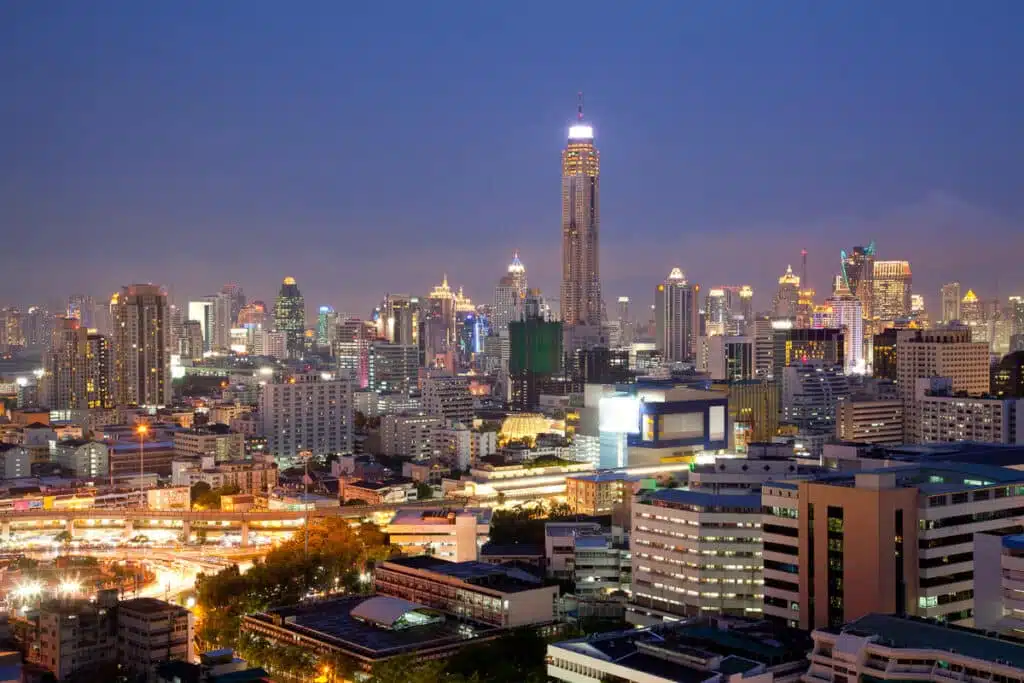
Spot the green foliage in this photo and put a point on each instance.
(514, 658)
(424, 491)
(205, 498)
(338, 554)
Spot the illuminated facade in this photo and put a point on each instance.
(676, 317)
(509, 296)
(142, 362)
(891, 291)
(858, 274)
(716, 311)
(326, 326)
(847, 314)
(787, 299)
(581, 222)
(401, 316)
(290, 317)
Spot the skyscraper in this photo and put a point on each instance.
(142, 364)
(788, 297)
(326, 326)
(581, 223)
(858, 272)
(509, 295)
(950, 296)
(717, 311)
(290, 316)
(202, 312)
(676, 317)
(401, 315)
(847, 315)
(67, 366)
(891, 291)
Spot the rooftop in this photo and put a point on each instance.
(149, 605)
(703, 499)
(914, 633)
(334, 623)
(438, 515)
(378, 485)
(727, 646)
(481, 574)
(491, 549)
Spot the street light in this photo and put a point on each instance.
(142, 430)
(69, 587)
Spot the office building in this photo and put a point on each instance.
(307, 411)
(676, 315)
(944, 416)
(392, 368)
(581, 225)
(695, 553)
(726, 358)
(460, 447)
(150, 631)
(82, 458)
(481, 592)
(883, 354)
(1008, 376)
(141, 360)
(793, 346)
(753, 410)
(401, 318)
(409, 436)
(352, 350)
(787, 298)
(455, 535)
(249, 476)
(191, 344)
(848, 315)
(699, 651)
(216, 440)
(717, 311)
(599, 493)
(938, 353)
(858, 273)
(509, 295)
(896, 540)
(891, 291)
(16, 459)
(885, 647)
(290, 316)
(867, 419)
(66, 367)
(950, 306)
(972, 314)
(810, 395)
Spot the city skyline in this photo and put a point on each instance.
(188, 186)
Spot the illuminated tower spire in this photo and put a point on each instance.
(581, 222)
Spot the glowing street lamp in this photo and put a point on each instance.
(142, 430)
(69, 587)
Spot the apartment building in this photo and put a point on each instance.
(70, 636)
(893, 540)
(309, 411)
(862, 419)
(945, 416)
(598, 493)
(482, 592)
(938, 353)
(150, 631)
(87, 459)
(695, 553)
(448, 397)
(409, 436)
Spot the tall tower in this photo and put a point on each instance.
(290, 316)
(891, 291)
(950, 296)
(859, 275)
(142, 363)
(676, 311)
(509, 295)
(581, 223)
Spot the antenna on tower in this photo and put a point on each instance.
(579, 105)
(803, 267)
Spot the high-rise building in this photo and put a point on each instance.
(746, 304)
(858, 273)
(253, 313)
(309, 411)
(175, 328)
(581, 224)
(1015, 308)
(67, 368)
(392, 367)
(191, 343)
(438, 332)
(202, 312)
(870, 419)
(676, 317)
(938, 353)
(142, 364)
(448, 397)
(98, 374)
(793, 346)
(810, 394)
(352, 349)
(726, 358)
(290, 316)
(787, 299)
(11, 334)
(945, 417)
(883, 354)
(234, 293)
(37, 328)
(950, 297)
(847, 315)
(535, 357)
(509, 295)
(326, 327)
(717, 311)
(401, 314)
(891, 293)
(150, 631)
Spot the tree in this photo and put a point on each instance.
(424, 491)
(199, 489)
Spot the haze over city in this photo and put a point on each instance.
(371, 150)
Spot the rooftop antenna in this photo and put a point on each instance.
(803, 269)
(579, 105)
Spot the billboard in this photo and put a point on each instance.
(619, 414)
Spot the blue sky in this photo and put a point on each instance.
(369, 149)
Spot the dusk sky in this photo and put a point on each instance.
(364, 150)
